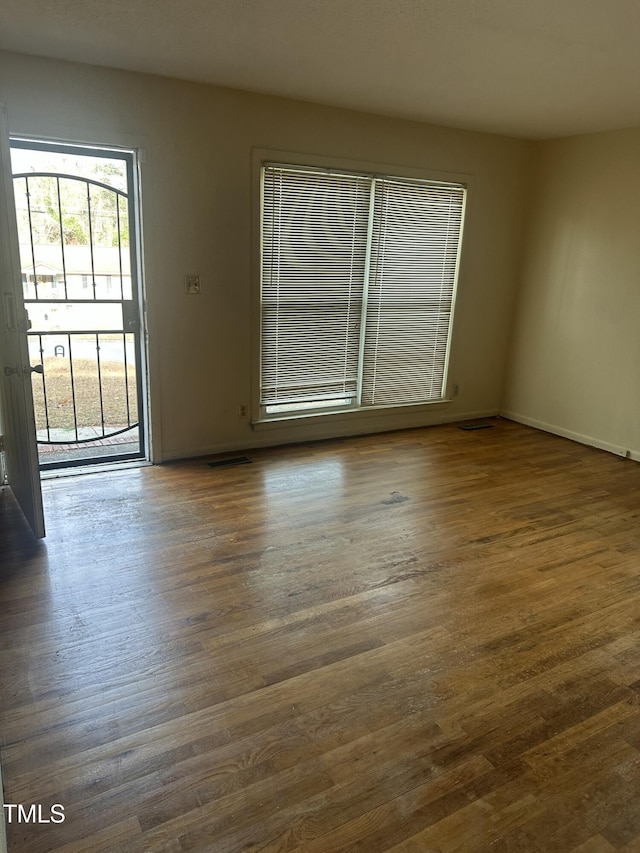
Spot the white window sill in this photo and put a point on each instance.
(378, 412)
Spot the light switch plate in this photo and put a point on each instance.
(192, 283)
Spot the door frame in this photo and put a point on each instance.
(133, 157)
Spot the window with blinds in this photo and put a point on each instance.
(358, 283)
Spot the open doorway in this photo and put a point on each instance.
(77, 214)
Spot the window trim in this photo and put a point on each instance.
(314, 162)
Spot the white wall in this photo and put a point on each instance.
(197, 209)
(574, 365)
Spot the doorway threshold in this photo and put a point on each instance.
(99, 468)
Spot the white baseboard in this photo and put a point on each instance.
(581, 438)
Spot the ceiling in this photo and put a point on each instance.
(526, 68)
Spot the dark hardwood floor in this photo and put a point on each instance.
(420, 641)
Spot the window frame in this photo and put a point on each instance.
(261, 157)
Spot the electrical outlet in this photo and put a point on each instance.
(243, 410)
(192, 283)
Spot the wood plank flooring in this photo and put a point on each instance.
(420, 641)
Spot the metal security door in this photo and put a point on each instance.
(16, 405)
(77, 220)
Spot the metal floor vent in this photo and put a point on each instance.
(475, 426)
(227, 463)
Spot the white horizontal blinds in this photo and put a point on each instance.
(413, 271)
(314, 233)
